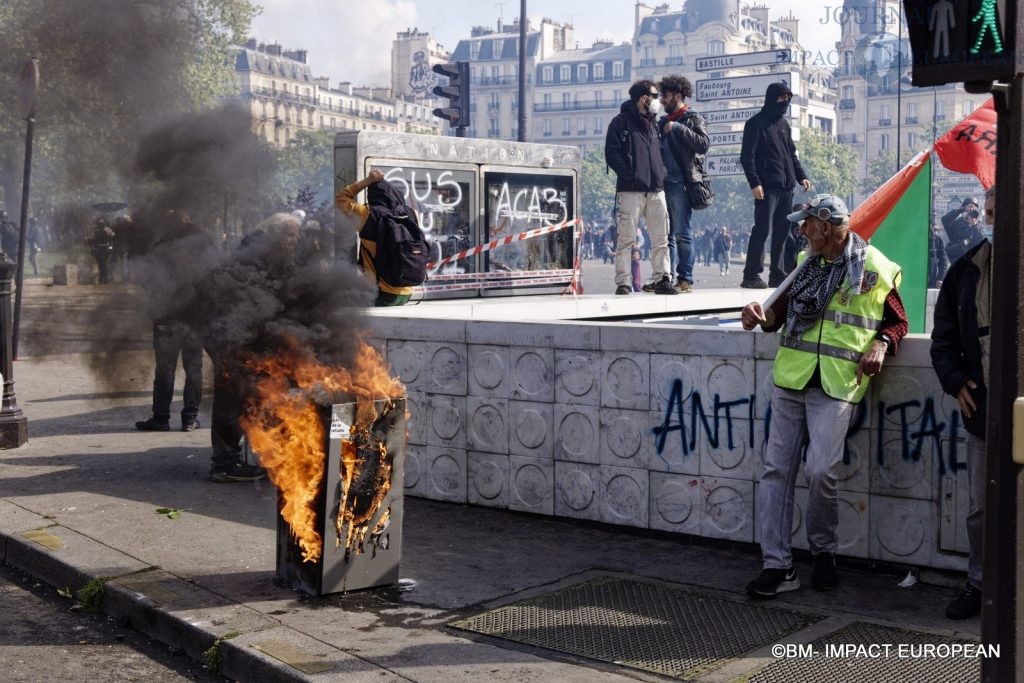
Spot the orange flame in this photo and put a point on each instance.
(285, 427)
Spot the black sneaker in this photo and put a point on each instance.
(665, 286)
(774, 281)
(771, 582)
(967, 604)
(824, 576)
(650, 288)
(623, 289)
(236, 471)
(153, 425)
(190, 424)
(754, 283)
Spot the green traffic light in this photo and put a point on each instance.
(989, 22)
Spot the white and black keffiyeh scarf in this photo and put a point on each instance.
(817, 283)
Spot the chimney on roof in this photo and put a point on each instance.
(297, 55)
(274, 49)
(250, 44)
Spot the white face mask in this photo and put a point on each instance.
(986, 232)
(654, 108)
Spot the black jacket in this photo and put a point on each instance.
(632, 149)
(956, 346)
(689, 141)
(768, 155)
(961, 235)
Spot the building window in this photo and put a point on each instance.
(566, 127)
(940, 110)
(883, 141)
(847, 92)
(597, 99)
(599, 72)
(548, 74)
(494, 132)
(494, 104)
(497, 48)
(912, 141)
(547, 128)
(581, 127)
(597, 125)
(716, 47)
(565, 100)
(581, 73)
(649, 54)
(968, 108)
(474, 50)
(616, 96)
(495, 72)
(547, 101)
(618, 68)
(565, 73)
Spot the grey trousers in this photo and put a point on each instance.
(813, 418)
(652, 208)
(976, 512)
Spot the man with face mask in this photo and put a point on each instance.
(960, 356)
(684, 141)
(633, 150)
(769, 161)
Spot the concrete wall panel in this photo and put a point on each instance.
(578, 377)
(446, 421)
(488, 424)
(530, 429)
(577, 433)
(902, 530)
(533, 374)
(625, 496)
(624, 435)
(488, 479)
(489, 373)
(578, 490)
(625, 380)
(407, 361)
(676, 503)
(532, 485)
(447, 368)
(728, 509)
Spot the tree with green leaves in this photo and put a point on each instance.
(597, 188)
(110, 70)
(830, 166)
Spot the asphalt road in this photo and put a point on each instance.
(45, 637)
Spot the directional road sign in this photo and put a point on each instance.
(722, 165)
(740, 87)
(730, 138)
(728, 115)
(724, 62)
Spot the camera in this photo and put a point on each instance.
(973, 213)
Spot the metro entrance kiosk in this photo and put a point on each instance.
(470, 192)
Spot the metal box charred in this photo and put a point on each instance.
(358, 510)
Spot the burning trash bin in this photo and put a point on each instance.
(338, 468)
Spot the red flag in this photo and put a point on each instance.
(970, 146)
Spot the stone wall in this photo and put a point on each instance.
(664, 427)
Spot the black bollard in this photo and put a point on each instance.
(13, 423)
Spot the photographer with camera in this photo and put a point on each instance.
(963, 228)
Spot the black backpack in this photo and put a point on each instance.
(402, 251)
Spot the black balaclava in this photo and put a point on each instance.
(383, 195)
(771, 96)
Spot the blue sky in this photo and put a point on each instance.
(351, 40)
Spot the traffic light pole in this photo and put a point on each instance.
(1003, 571)
(522, 70)
(1004, 490)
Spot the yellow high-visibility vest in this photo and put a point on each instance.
(845, 332)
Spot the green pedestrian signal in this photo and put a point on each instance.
(989, 19)
(960, 41)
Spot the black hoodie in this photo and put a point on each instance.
(768, 155)
(632, 149)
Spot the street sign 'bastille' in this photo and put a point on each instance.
(740, 87)
(725, 62)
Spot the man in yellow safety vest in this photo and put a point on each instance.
(839, 318)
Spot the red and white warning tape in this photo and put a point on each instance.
(503, 275)
(503, 241)
(458, 286)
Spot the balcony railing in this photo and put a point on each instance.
(847, 139)
(847, 104)
(674, 61)
(883, 123)
(587, 105)
(648, 62)
(283, 96)
(493, 106)
(499, 80)
(910, 120)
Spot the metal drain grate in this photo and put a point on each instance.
(646, 626)
(893, 667)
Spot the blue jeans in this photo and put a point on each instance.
(680, 235)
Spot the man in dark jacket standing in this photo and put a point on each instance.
(769, 161)
(960, 356)
(633, 150)
(684, 141)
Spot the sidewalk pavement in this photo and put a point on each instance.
(93, 485)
